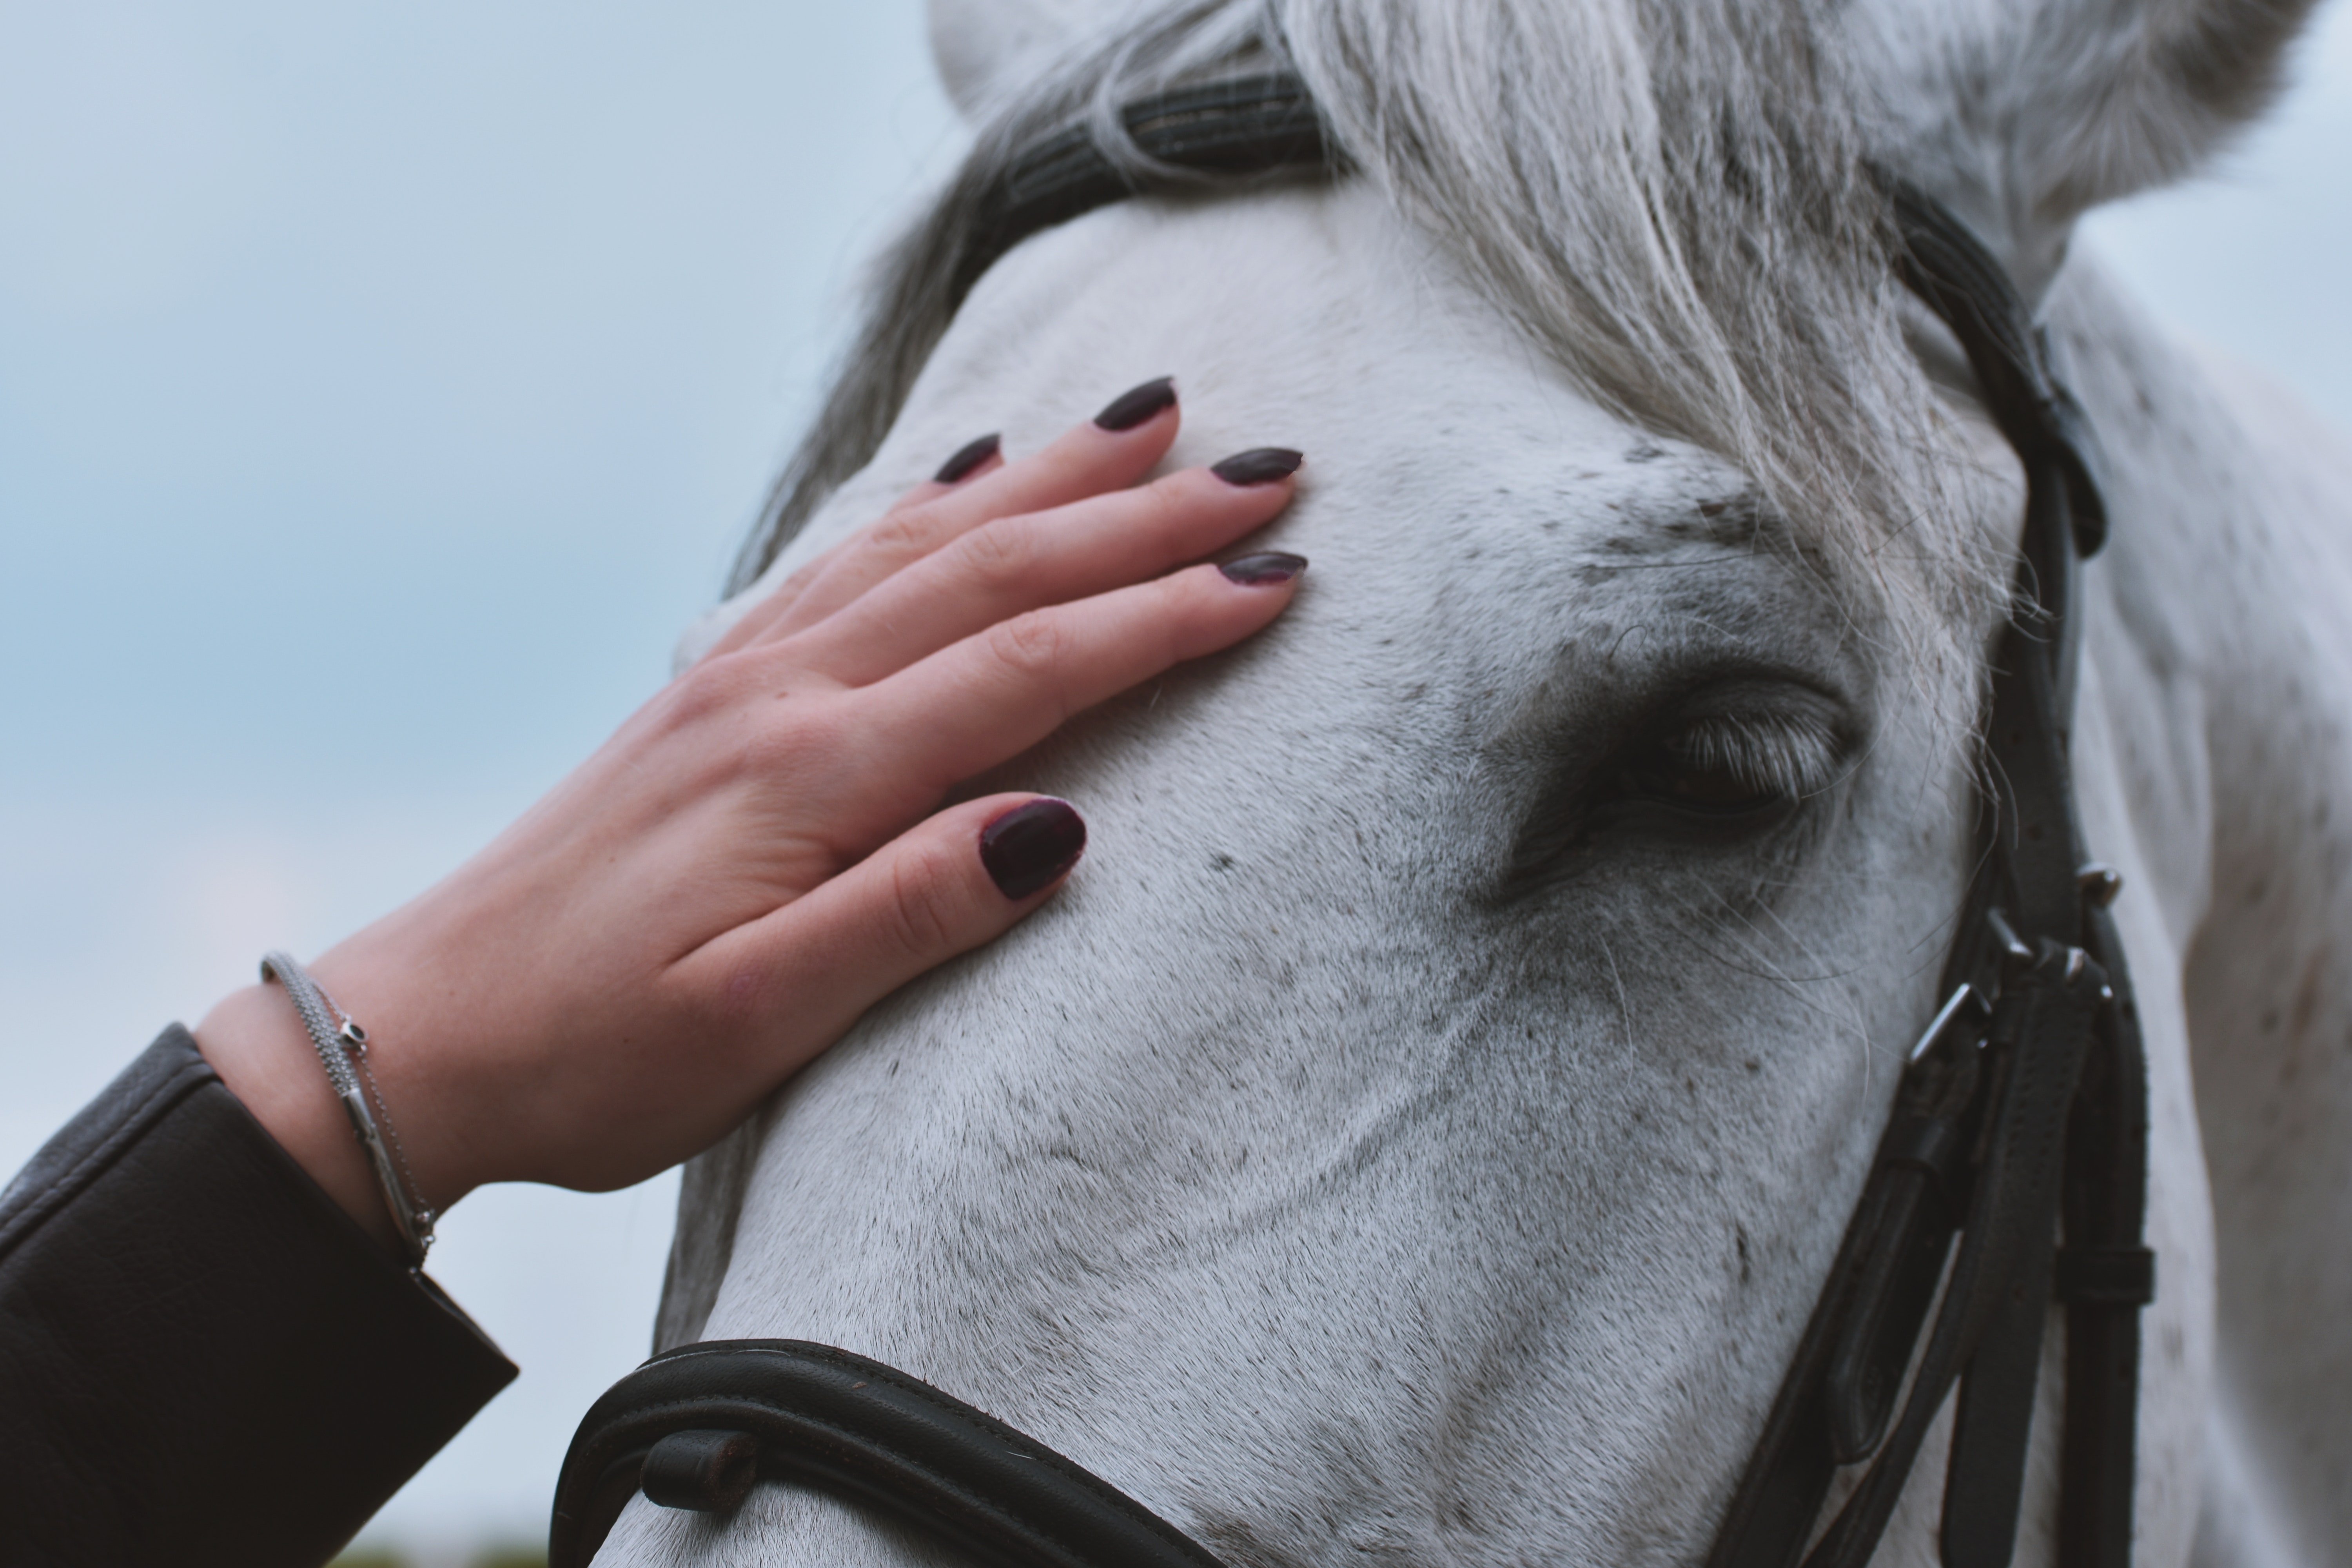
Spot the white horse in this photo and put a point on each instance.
(1415, 1137)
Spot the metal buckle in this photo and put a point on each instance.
(1942, 1021)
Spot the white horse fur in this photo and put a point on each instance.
(1394, 1145)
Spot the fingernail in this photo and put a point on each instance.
(967, 458)
(1263, 571)
(1259, 466)
(1132, 407)
(1030, 845)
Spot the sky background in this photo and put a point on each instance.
(381, 390)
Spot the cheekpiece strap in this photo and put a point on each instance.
(1949, 268)
(2033, 1067)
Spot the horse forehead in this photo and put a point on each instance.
(1305, 311)
(1315, 317)
(1449, 459)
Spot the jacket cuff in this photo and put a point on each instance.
(203, 1358)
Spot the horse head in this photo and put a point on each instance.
(1423, 1126)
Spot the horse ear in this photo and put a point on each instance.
(986, 49)
(2021, 115)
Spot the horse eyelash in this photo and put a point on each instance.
(1793, 755)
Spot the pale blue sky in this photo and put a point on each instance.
(383, 387)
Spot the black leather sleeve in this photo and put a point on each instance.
(202, 1359)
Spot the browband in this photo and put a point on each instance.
(2022, 1112)
(1228, 130)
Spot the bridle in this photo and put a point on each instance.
(2012, 1173)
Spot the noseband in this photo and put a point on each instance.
(2012, 1174)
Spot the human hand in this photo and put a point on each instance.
(750, 862)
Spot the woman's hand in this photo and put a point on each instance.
(749, 864)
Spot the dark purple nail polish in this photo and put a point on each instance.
(1133, 407)
(1030, 845)
(967, 458)
(1259, 466)
(1263, 571)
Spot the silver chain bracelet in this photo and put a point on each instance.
(341, 1043)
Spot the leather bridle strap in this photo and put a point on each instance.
(695, 1426)
(1998, 1122)
(1228, 130)
(2025, 1103)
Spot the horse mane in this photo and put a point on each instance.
(1671, 197)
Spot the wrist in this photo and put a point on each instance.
(256, 1042)
(419, 1037)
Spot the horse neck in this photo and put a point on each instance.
(2212, 743)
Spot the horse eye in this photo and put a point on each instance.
(1720, 776)
(1715, 769)
(1713, 789)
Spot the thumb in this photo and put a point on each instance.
(950, 884)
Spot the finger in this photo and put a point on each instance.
(972, 460)
(1087, 461)
(1020, 562)
(946, 886)
(992, 696)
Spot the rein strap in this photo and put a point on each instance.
(823, 1417)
